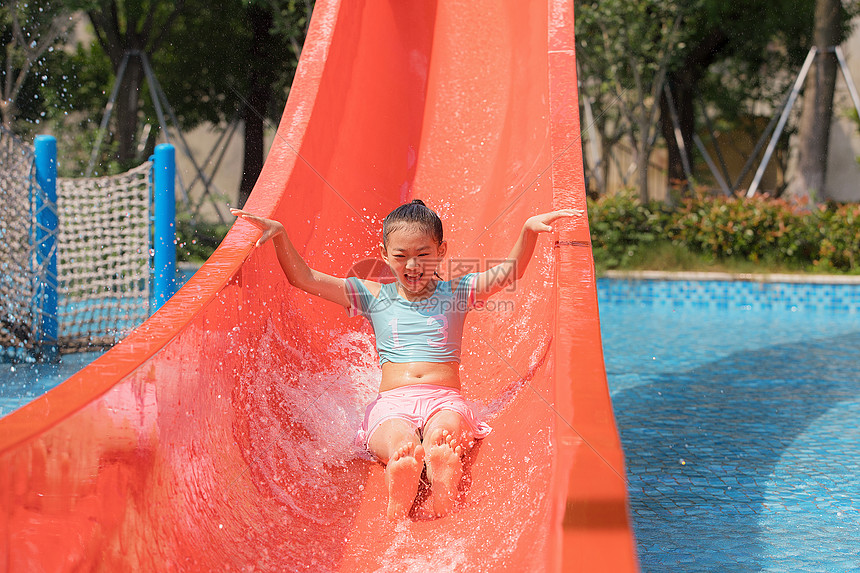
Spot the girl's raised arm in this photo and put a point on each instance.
(298, 272)
(513, 268)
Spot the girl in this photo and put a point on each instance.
(419, 419)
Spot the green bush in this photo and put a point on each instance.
(770, 232)
(837, 229)
(196, 241)
(750, 229)
(621, 228)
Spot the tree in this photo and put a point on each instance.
(725, 54)
(625, 48)
(29, 31)
(214, 61)
(277, 32)
(817, 113)
(244, 69)
(124, 30)
(732, 53)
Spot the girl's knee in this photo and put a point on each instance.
(391, 436)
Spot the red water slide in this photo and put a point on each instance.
(219, 435)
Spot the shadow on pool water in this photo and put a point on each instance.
(702, 447)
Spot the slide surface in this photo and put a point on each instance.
(219, 434)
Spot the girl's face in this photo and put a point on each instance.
(413, 256)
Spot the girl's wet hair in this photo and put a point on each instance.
(416, 213)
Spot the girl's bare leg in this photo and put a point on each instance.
(395, 443)
(446, 439)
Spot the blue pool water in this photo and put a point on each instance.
(22, 382)
(738, 406)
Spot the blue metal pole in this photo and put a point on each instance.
(45, 209)
(164, 240)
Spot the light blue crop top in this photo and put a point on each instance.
(429, 330)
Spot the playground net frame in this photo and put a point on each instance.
(101, 247)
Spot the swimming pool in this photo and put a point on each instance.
(738, 405)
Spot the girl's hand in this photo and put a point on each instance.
(541, 223)
(270, 228)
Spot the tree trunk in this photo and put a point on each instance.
(684, 85)
(810, 179)
(683, 96)
(119, 32)
(257, 104)
(252, 163)
(642, 176)
(127, 109)
(643, 158)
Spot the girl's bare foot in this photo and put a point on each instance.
(444, 470)
(402, 474)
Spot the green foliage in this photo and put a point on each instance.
(758, 39)
(730, 56)
(31, 34)
(621, 227)
(730, 227)
(209, 58)
(197, 240)
(78, 88)
(203, 53)
(763, 231)
(624, 51)
(837, 231)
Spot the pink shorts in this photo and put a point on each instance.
(416, 404)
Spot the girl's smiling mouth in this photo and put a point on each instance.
(412, 279)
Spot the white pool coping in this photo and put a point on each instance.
(748, 277)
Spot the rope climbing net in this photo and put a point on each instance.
(102, 252)
(103, 257)
(20, 273)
